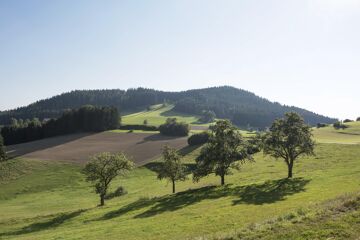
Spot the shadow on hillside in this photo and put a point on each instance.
(29, 147)
(156, 167)
(348, 133)
(157, 137)
(52, 223)
(268, 192)
(188, 149)
(190, 167)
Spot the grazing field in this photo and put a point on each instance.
(51, 200)
(77, 148)
(158, 114)
(329, 134)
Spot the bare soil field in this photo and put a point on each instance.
(141, 147)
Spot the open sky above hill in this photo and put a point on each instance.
(302, 53)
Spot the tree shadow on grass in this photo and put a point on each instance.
(190, 167)
(40, 226)
(268, 192)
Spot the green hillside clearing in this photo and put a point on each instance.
(157, 115)
(329, 134)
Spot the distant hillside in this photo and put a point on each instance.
(242, 107)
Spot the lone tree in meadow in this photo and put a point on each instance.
(2, 150)
(224, 150)
(289, 138)
(172, 167)
(103, 168)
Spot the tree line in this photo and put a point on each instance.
(243, 108)
(288, 139)
(84, 119)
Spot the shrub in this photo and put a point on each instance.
(207, 116)
(139, 127)
(2, 150)
(173, 128)
(198, 138)
(358, 119)
(120, 191)
(339, 125)
(347, 120)
(321, 125)
(254, 144)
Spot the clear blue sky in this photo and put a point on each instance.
(302, 53)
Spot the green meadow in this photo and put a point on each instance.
(349, 135)
(51, 200)
(157, 115)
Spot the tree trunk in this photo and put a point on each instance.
(222, 180)
(173, 186)
(102, 199)
(290, 169)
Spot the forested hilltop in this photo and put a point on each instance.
(242, 107)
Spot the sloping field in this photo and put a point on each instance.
(329, 134)
(158, 114)
(51, 200)
(142, 147)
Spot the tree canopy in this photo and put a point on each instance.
(172, 168)
(289, 138)
(85, 119)
(103, 168)
(224, 150)
(174, 128)
(2, 149)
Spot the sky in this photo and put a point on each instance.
(304, 53)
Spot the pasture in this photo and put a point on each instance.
(42, 199)
(157, 115)
(329, 134)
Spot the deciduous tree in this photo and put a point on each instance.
(103, 168)
(225, 149)
(289, 138)
(172, 168)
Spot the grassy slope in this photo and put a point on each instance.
(157, 115)
(333, 219)
(50, 200)
(350, 135)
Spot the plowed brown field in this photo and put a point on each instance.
(141, 147)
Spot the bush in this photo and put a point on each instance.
(207, 116)
(339, 125)
(321, 125)
(358, 119)
(120, 191)
(173, 128)
(347, 120)
(198, 138)
(254, 144)
(139, 127)
(2, 150)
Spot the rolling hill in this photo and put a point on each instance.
(42, 199)
(242, 107)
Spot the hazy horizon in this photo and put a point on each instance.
(298, 53)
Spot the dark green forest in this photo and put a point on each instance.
(242, 107)
(85, 119)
